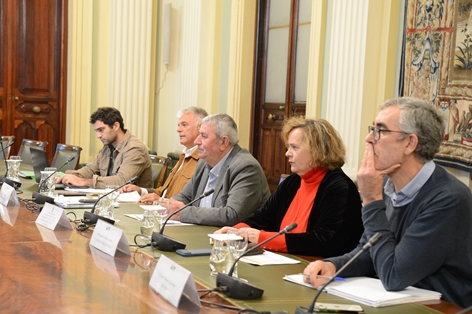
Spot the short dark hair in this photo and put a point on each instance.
(108, 116)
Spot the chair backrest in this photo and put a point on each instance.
(24, 151)
(63, 153)
(6, 140)
(159, 169)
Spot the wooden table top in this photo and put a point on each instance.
(45, 271)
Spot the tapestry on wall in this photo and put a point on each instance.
(438, 68)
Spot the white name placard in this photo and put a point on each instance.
(171, 280)
(8, 195)
(52, 216)
(108, 238)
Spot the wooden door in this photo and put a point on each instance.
(281, 71)
(33, 42)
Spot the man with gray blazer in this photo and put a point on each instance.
(236, 176)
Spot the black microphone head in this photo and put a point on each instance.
(71, 158)
(133, 179)
(375, 238)
(290, 227)
(372, 241)
(208, 192)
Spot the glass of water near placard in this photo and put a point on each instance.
(115, 194)
(160, 210)
(13, 168)
(48, 181)
(147, 223)
(237, 248)
(221, 259)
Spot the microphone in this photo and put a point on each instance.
(370, 243)
(39, 198)
(91, 218)
(165, 243)
(14, 184)
(238, 289)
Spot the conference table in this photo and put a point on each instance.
(46, 271)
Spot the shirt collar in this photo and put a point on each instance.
(409, 191)
(189, 151)
(124, 140)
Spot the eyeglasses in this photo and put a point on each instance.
(377, 132)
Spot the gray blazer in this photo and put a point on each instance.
(240, 190)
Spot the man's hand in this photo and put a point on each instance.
(369, 179)
(130, 188)
(311, 272)
(174, 206)
(149, 198)
(72, 179)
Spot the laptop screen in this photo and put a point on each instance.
(39, 160)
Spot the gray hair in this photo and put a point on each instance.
(198, 113)
(224, 125)
(421, 118)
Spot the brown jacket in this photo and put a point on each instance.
(178, 179)
(131, 158)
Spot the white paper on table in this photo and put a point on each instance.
(88, 190)
(169, 222)
(151, 207)
(269, 258)
(370, 291)
(132, 197)
(224, 236)
(298, 279)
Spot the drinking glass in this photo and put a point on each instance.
(147, 223)
(114, 196)
(237, 248)
(13, 167)
(221, 258)
(106, 208)
(160, 211)
(48, 181)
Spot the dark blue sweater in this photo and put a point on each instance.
(426, 243)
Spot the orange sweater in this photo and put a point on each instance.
(299, 210)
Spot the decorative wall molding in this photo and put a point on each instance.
(345, 72)
(130, 64)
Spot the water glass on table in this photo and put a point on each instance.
(160, 210)
(147, 223)
(13, 168)
(48, 181)
(237, 248)
(105, 207)
(221, 259)
(114, 196)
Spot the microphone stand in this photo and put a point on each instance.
(165, 243)
(91, 219)
(372, 241)
(40, 198)
(238, 289)
(13, 183)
